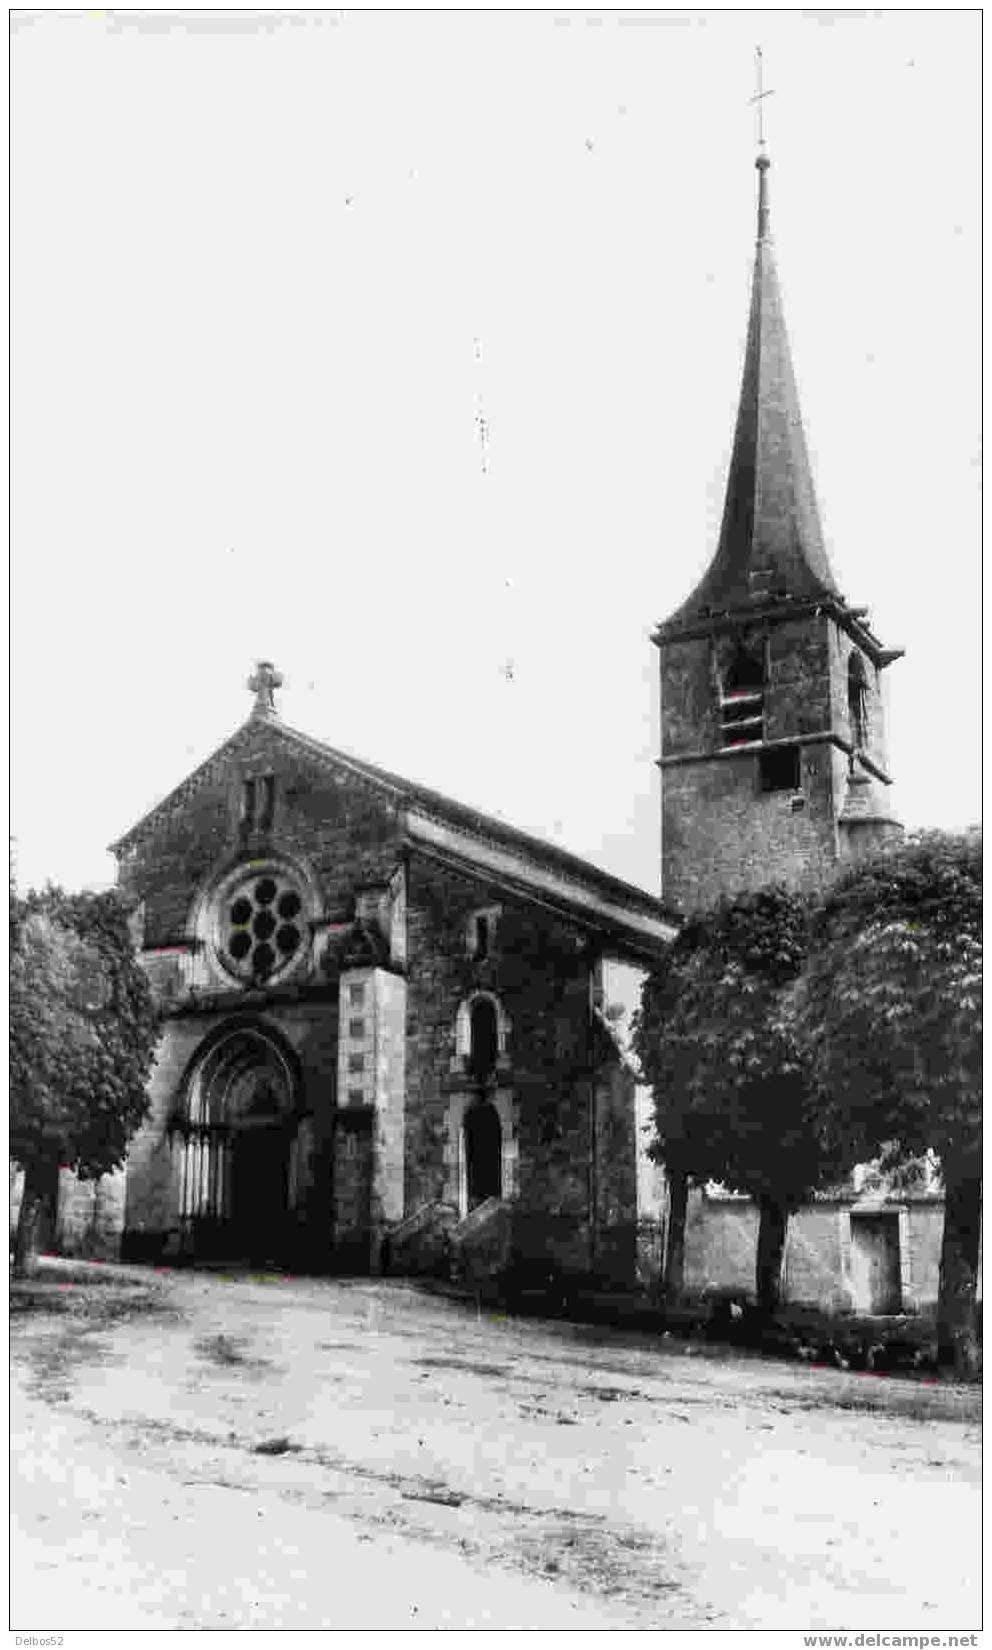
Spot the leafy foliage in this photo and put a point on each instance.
(717, 1046)
(890, 1007)
(82, 1031)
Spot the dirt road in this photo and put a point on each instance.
(194, 1451)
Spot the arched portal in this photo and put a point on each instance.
(483, 1152)
(236, 1134)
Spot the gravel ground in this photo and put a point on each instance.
(194, 1451)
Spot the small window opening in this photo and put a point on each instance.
(857, 699)
(484, 1040)
(480, 933)
(742, 701)
(779, 768)
(248, 799)
(267, 810)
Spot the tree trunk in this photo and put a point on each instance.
(36, 1220)
(674, 1272)
(772, 1223)
(957, 1332)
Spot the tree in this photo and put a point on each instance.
(730, 1085)
(82, 1035)
(889, 1012)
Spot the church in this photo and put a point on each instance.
(383, 1039)
(383, 1033)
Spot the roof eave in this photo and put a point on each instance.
(693, 626)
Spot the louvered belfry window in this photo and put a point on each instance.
(742, 697)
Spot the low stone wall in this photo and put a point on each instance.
(721, 1238)
(90, 1216)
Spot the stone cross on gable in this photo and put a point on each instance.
(263, 683)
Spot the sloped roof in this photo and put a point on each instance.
(460, 825)
(771, 544)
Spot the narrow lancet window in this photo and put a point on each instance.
(857, 699)
(267, 807)
(248, 800)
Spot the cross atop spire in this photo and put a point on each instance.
(758, 99)
(762, 162)
(263, 683)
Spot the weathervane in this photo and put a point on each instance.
(759, 97)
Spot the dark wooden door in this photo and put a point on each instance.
(875, 1272)
(258, 1225)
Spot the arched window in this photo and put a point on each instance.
(483, 1039)
(482, 1036)
(742, 699)
(857, 698)
(483, 1137)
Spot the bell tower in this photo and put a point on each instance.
(773, 756)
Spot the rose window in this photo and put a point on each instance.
(261, 924)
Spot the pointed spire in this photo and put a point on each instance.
(770, 544)
(762, 163)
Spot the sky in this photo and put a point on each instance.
(403, 349)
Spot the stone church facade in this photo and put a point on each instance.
(381, 1016)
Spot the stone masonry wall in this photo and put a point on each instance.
(90, 1215)
(814, 1271)
(721, 1238)
(841, 648)
(539, 970)
(922, 1235)
(722, 834)
(342, 828)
